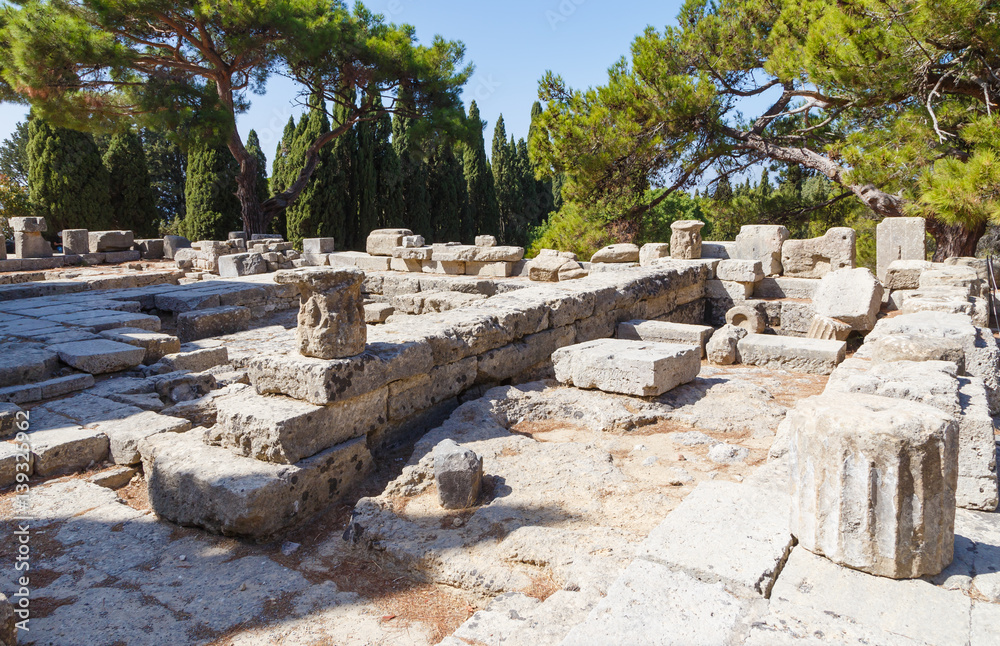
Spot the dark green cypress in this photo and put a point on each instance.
(279, 174)
(446, 194)
(507, 178)
(484, 212)
(167, 166)
(365, 182)
(544, 188)
(388, 175)
(67, 181)
(416, 208)
(210, 191)
(132, 203)
(253, 147)
(306, 216)
(340, 220)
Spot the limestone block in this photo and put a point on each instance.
(488, 254)
(458, 474)
(186, 257)
(103, 241)
(75, 242)
(720, 250)
(824, 327)
(413, 253)
(722, 348)
(740, 271)
(963, 278)
(450, 267)
(977, 454)
(873, 483)
(761, 242)
(950, 300)
(494, 269)
(685, 239)
(413, 241)
(242, 264)
(905, 274)
(281, 430)
(783, 287)
(852, 296)
(415, 395)
(267, 237)
(30, 244)
(216, 321)
(617, 253)
(155, 344)
(99, 356)
(813, 356)
(12, 461)
(554, 252)
(627, 367)
(747, 317)
(381, 242)
(378, 312)
(816, 257)
(511, 360)
(149, 248)
(22, 363)
(171, 244)
(899, 239)
(238, 496)
(28, 225)
(665, 332)
(195, 360)
(728, 532)
(363, 261)
(9, 419)
(728, 290)
(546, 268)
(331, 322)
(486, 241)
(318, 245)
(917, 347)
(66, 449)
(401, 264)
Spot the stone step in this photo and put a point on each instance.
(627, 367)
(216, 321)
(815, 356)
(237, 496)
(666, 332)
(48, 389)
(155, 344)
(99, 356)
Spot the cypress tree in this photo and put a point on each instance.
(337, 176)
(544, 189)
(167, 166)
(416, 209)
(365, 181)
(507, 178)
(132, 203)
(484, 212)
(210, 192)
(446, 194)
(306, 217)
(279, 174)
(67, 181)
(253, 147)
(388, 174)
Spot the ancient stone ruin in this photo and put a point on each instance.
(716, 442)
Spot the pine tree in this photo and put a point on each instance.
(167, 166)
(279, 174)
(416, 209)
(388, 175)
(253, 147)
(484, 212)
(132, 203)
(210, 191)
(67, 182)
(365, 176)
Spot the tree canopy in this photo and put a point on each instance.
(894, 102)
(189, 66)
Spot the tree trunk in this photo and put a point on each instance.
(254, 218)
(954, 240)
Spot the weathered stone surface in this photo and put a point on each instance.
(284, 431)
(917, 610)
(722, 347)
(960, 277)
(740, 271)
(331, 322)
(22, 363)
(685, 239)
(149, 248)
(917, 347)
(852, 296)
(627, 367)
(381, 242)
(242, 264)
(828, 329)
(75, 242)
(976, 568)
(378, 312)
(761, 242)
(458, 474)
(495, 269)
(28, 244)
(728, 532)
(548, 268)
(171, 244)
(650, 604)
(10, 419)
(447, 267)
(617, 253)
(783, 287)
(239, 496)
(904, 274)
(721, 250)
(792, 353)
(193, 359)
(486, 241)
(977, 452)
(104, 241)
(898, 524)
(99, 356)
(665, 332)
(216, 321)
(653, 251)
(728, 292)
(28, 225)
(747, 317)
(318, 245)
(899, 239)
(816, 257)
(155, 344)
(66, 449)
(363, 261)
(412, 254)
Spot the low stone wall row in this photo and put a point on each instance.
(310, 427)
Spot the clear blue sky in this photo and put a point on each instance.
(511, 43)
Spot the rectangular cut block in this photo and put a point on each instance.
(283, 431)
(401, 264)
(782, 287)
(496, 269)
(75, 242)
(814, 356)
(665, 332)
(381, 242)
(741, 271)
(242, 264)
(99, 356)
(726, 532)
(899, 239)
(723, 250)
(413, 253)
(363, 261)
(218, 321)
(237, 496)
(904, 274)
(150, 248)
(318, 245)
(817, 257)
(28, 225)
(157, 345)
(23, 363)
(29, 244)
(67, 449)
(761, 242)
(454, 268)
(627, 367)
(102, 241)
